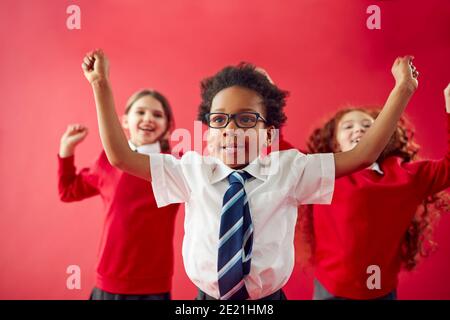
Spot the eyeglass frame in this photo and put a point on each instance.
(233, 117)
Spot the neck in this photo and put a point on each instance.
(142, 144)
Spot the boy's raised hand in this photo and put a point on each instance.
(95, 66)
(264, 72)
(75, 133)
(447, 98)
(405, 73)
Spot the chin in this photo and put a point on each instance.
(237, 166)
(233, 164)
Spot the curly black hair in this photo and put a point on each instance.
(245, 75)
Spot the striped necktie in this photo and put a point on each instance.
(235, 240)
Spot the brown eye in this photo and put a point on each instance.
(218, 119)
(367, 124)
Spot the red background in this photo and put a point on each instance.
(320, 50)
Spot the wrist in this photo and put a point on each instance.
(407, 87)
(66, 151)
(100, 82)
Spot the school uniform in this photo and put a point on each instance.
(277, 184)
(366, 224)
(136, 250)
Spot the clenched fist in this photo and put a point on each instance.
(95, 66)
(405, 73)
(75, 133)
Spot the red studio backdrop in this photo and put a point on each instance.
(321, 51)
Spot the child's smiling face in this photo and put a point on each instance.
(351, 128)
(146, 121)
(235, 146)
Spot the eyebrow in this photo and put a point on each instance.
(352, 121)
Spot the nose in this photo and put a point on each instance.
(230, 129)
(148, 116)
(359, 128)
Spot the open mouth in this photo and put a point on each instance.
(356, 140)
(147, 129)
(232, 148)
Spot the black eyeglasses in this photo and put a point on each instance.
(219, 120)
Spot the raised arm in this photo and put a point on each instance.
(375, 140)
(433, 176)
(96, 70)
(73, 186)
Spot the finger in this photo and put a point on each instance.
(91, 61)
(98, 54)
(88, 62)
(85, 66)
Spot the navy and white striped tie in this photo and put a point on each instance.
(235, 240)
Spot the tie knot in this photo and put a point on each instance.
(238, 177)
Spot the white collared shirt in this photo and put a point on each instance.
(279, 183)
(146, 148)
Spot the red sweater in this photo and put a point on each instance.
(136, 253)
(367, 221)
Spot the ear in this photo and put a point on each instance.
(125, 122)
(271, 135)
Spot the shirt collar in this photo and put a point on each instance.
(219, 171)
(376, 167)
(259, 168)
(146, 148)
